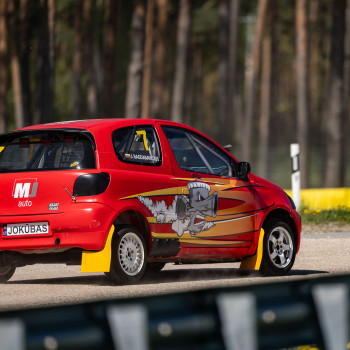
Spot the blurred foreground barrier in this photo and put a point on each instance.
(324, 198)
(271, 316)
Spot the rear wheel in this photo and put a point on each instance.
(129, 253)
(279, 248)
(6, 272)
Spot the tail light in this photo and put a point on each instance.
(91, 184)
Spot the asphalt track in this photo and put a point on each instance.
(52, 285)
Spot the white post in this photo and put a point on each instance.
(294, 153)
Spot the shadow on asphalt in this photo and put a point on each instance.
(167, 276)
(305, 272)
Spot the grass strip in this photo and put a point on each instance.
(323, 216)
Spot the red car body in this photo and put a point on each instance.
(184, 212)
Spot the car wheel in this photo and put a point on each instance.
(129, 254)
(6, 272)
(279, 248)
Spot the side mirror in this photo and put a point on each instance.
(243, 169)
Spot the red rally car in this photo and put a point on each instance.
(125, 197)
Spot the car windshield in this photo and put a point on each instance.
(45, 150)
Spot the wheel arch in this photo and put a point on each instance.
(134, 218)
(100, 261)
(283, 215)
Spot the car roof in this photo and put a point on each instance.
(96, 124)
(99, 126)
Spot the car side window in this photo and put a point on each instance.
(218, 162)
(193, 153)
(184, 151)
(138, 145)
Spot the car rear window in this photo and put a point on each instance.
(46, 150)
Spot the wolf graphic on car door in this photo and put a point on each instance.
(186, 213)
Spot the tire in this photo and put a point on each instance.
(6, 272)
(279, 248)
(129, 256)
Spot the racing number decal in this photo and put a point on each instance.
(143, 133)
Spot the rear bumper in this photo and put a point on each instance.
(85, 225)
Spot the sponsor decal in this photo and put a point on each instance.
(53, 206)
(186, 213)
(142, 133)
(142, 157)
(25, 188)
(26, 203)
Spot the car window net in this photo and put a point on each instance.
(46, 151)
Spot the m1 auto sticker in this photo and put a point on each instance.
(25, 188)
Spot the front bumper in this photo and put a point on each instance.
(298, 226)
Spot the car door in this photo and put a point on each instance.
(144, 181)
(215, 210)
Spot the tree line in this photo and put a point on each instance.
(256, 74)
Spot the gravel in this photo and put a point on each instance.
(321, 253)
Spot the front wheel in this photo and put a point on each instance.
(6, 272)
(279, 248)
(129, 253)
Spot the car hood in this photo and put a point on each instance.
(256, 180)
